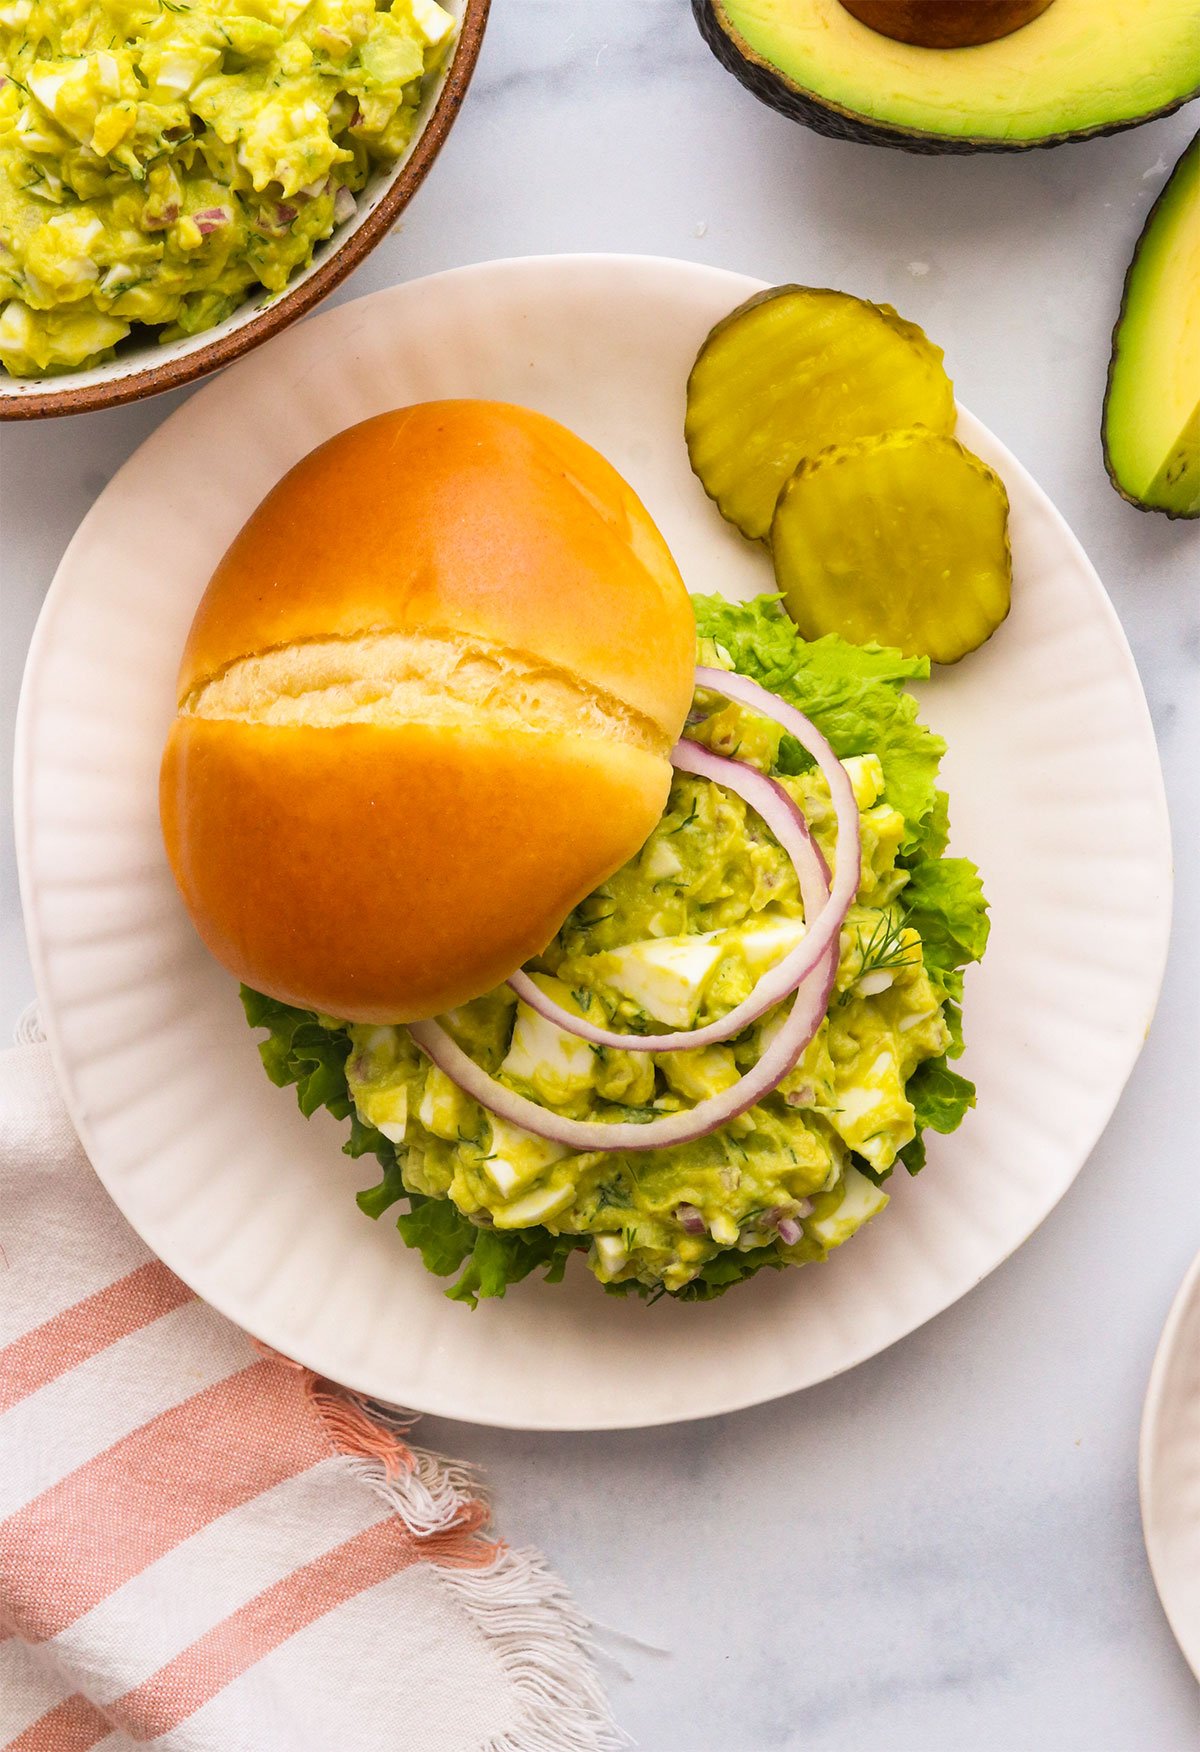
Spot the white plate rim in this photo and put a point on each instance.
(1164, 1518)
(739, 286)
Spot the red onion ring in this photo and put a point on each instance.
(802, 1021)
(824, 919)
(804, 1018)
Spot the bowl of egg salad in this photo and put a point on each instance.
(179, 182)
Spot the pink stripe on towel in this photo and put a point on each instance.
(215, 1551)
(299, 1599)
(73, 1726)
(147, 1493)
(73, 1336)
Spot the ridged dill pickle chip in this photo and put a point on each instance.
(789, 373)
(901, 539)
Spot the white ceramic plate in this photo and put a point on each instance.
(1169, 1468)
(1056, 793)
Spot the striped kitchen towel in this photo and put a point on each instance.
(205, 1549)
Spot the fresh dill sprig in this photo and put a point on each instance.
(885, 949)
(687, 820)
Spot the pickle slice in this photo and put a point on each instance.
(789, 373)
(901, 539)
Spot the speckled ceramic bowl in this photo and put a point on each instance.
(145, 368)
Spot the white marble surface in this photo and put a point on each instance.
(940, 1552)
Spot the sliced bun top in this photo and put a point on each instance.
(460, 522)
(426, 705)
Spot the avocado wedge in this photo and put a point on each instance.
(1152, 409)
(1079, 68)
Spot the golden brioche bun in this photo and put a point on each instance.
(426, 705)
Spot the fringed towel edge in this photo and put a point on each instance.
(520, 1607)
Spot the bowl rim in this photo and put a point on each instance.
(299, 299)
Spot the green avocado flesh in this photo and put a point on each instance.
(1082, 67)
(1152, 412)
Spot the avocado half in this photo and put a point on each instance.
(1152, 409)
(1084, 67)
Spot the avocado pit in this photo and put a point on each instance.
(946, 24)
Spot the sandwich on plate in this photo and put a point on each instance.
(614, 922)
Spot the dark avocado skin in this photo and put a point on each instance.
(1147, 231)
(772, 87)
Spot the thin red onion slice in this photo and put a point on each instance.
(786, 821)
(802, 1021)
(824, 919)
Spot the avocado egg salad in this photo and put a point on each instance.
(792, 918)
(159, 159)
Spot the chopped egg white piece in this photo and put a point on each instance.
(108, 72)
(443, 1110)
(387, 1110)
(666, 976)
(661, 861)
(516, 1157)
(33, 137)
(180, 72)
(559, 1065)
(866, 778)
(535, 1207)
(433, 21)
(860, 1201)
(46, 86)
(762, 945)
(873, 1116)
(76, 335)
(74, 235)
(64, 92)
(611, 1254)
(871, 984)
(704, 1071)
